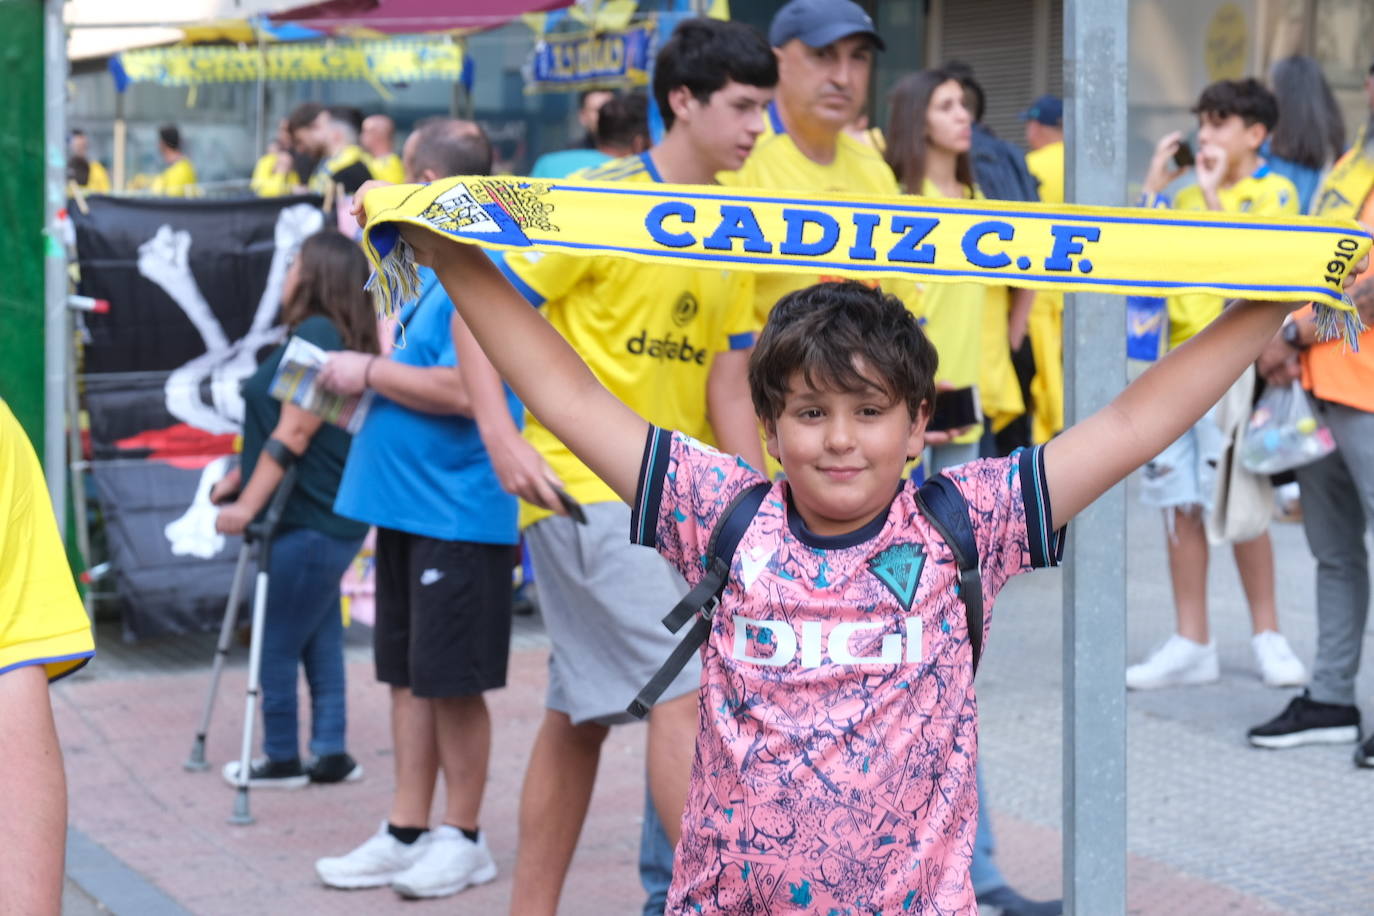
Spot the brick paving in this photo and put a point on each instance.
(1214, 826)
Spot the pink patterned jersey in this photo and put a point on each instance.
(834, 765)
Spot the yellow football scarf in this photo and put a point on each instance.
(1351, 179)
(1076, 249)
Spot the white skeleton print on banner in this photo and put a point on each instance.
(163, 260)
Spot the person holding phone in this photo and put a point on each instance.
(930, 136)
(1234, 120)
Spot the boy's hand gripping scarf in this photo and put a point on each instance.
(1076, 249)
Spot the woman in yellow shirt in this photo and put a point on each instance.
(930, 132)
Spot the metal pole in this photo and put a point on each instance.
(1095, 46)
(55, 321)
(260, 136)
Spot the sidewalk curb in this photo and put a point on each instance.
(111, 883)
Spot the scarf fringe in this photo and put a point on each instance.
(395, 281)
(1337, 324)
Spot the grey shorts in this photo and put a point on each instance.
(603, 600)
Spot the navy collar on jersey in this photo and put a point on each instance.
(836, 541)
(775, 119)
(649, 166)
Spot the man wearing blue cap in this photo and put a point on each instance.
(1045, 140)
(825, 51)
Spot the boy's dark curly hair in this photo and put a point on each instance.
(1248, 98)
(846, 336)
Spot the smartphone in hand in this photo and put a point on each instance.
(570, 505)
(957, 408)
(1183, 156)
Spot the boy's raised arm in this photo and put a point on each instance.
(1154, 410)
(547, 374)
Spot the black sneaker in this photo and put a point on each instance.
(1364, 754)
(335, 768)
(1305, 721)
(268, 774)
(1006, 902)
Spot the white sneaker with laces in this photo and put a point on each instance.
(450, 863)
(373, 864)
(1274, 658)
(1178, 662)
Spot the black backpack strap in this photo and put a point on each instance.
(701, 601)
(945, 508)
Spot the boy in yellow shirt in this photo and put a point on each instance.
(1234, 118)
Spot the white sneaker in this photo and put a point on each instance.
(1278, 666)
(373, 864)
(450, 863)
(1179, 661)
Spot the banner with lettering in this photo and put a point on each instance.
(1125, 251)
(603, 60)
(395, 61)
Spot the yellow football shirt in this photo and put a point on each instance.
(387, 168)
(99, 180)
(177, 180)
(649, 332)
(1046, 325)
(327, 171)
(42, 621)
(1263, 193)
(952, 316)
(1047, 165)
(268, 182)
(777, 164)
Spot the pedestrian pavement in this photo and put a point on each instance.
(1214, 825)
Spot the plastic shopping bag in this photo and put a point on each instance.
(1283, 433)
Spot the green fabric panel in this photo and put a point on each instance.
(21, 213)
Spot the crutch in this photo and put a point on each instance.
(261, 534)
(197, 760)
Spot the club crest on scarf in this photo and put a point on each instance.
(495, 211)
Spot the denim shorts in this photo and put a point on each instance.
(1185, 474)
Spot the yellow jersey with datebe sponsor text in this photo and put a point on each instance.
(648, 331)
(776, 164)
(1263, 193)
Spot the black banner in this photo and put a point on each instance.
(194, 288)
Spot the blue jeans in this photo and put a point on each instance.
(655, 859)
(304, 626)
(983, 870)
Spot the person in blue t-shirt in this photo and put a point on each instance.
(430, 468)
